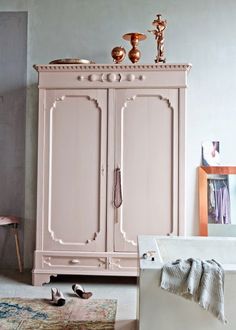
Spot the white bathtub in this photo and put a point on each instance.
(161, 310)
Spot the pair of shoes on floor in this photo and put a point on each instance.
(58, 298)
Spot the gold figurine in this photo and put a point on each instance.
(160, 26)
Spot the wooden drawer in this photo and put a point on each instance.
(73, 262)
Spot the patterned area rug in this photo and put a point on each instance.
(76, 314)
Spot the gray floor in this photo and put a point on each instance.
(14, 284)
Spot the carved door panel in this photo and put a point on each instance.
(73, 188)
(146, 152)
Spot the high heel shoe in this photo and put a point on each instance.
(57, 297)
(79, 290)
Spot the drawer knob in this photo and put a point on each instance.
(75, 261)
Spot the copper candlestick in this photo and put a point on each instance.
(134, 38)
(160, 26)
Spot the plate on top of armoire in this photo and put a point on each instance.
(71, 61)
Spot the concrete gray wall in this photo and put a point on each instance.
(13, 68)
(200, 32)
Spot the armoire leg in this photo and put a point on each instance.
(39, 279)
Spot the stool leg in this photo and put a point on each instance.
(15, 230)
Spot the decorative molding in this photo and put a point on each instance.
(165, 99)
(162, 98)
(47, 261)
(111, 77)
(124, 237)
(95, 235)
(61, 242)
(112, 67)
(115, 263)
(63, 97)
(122, 233)
(132, 98)
(102, 262)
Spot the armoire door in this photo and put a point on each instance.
(72, 188)
(146, 165)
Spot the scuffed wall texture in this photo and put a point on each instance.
(200, 32)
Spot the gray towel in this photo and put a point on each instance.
(201, 281)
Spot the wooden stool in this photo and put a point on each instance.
(13, 222)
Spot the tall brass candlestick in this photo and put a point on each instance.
(134, 38)
(160, 26)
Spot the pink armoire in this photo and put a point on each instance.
(111, 165)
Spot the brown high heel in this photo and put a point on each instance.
(79, 290)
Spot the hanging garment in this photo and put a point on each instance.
(222, 206)
(211, 196)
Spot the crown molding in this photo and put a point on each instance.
(111, 67)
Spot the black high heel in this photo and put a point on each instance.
(79, 290)
(57, 297)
